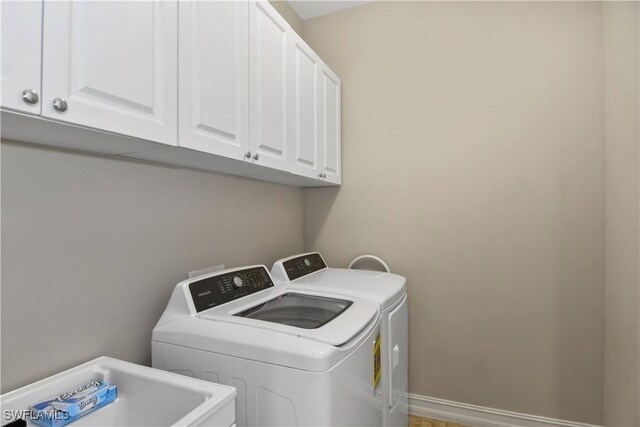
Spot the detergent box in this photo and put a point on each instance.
(60, 410)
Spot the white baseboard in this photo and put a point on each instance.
(479, 416)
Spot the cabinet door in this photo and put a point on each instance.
(114, 63)
(330, 126)
(304, 106)
(269, 81)
(21, 54)
(214, 80)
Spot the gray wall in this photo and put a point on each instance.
(473, 148)
(92, 248)
(622, 112)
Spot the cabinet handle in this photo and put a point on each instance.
(256, 156)
(30, 96)
(247, 154)
(321, 175)
(60, 105)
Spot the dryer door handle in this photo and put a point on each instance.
(396, 356)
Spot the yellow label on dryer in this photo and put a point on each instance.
(377, 365)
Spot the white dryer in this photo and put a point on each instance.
(310, 272)
(295, 356)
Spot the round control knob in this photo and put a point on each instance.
(307, 262)
(237, 281)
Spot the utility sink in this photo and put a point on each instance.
(146, 397)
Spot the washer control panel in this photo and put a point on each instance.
(303, 265)
(231, 285)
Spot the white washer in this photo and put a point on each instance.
(310, 272)
(295, 356)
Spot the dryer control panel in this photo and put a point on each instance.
(303, 265)
(228, 286)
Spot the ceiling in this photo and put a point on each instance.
(307, 9)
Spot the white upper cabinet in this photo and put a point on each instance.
(220, 85)
(268, 83)
(21, 53)
(112, 65)
(214, 80)
(330, 127)
(304, 106)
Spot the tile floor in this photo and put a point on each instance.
(428, 422)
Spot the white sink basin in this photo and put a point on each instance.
(146, 396)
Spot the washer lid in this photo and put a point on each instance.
(320, 316)
(299, 310)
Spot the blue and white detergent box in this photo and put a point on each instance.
(67, 407)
